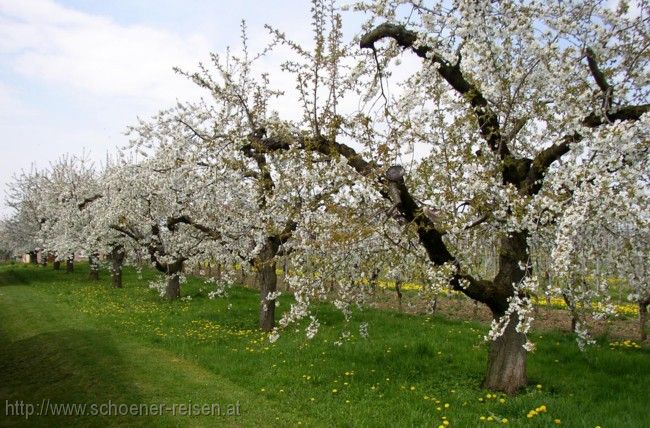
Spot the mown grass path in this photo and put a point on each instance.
(68, 340)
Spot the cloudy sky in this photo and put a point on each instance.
(75, 73)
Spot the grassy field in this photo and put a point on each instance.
(68, 340)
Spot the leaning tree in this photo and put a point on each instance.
(512, 113)
(523, 107)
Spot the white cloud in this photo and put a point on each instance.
(11, 105)
(95, 54)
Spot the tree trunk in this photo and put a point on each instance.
(93, 266)
(267, 279)
(643, 319)
(374, 280)
(572, 311)
(398, 289)
(56, 264)
(285, 266)
(117, 261)
(173, 289)
(506, 370)
(33, 257)
(69, 265)
(43, 258)
(433, 305)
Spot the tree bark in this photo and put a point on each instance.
(173, 289)
(506, 370)
(374, 280)
(117, 261)
(572, 311)
(398, 290)
(32, 257)
(69, 264)
(267, 280)
(56, 264)
(507, 356)
(93, 266)
(43, 258)
(217, 274)
(643, 319)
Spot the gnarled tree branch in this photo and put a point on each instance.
(594, 120)
(88, 200)
(487, 119)
(600, 78)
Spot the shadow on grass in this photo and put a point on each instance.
(66, 366)
(13, 276)
(26, 274)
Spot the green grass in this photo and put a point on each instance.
(66, 339)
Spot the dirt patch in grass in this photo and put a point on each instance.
(458, 307)
(461, 308)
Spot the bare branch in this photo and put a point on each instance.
(487, 119)
(546, 157)
(194, 131)
(599, 77)
(87, 201)
(482, 219)
(626, 113)
(127, 231)
(543, 161)
(429, 236)
(185, 219)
